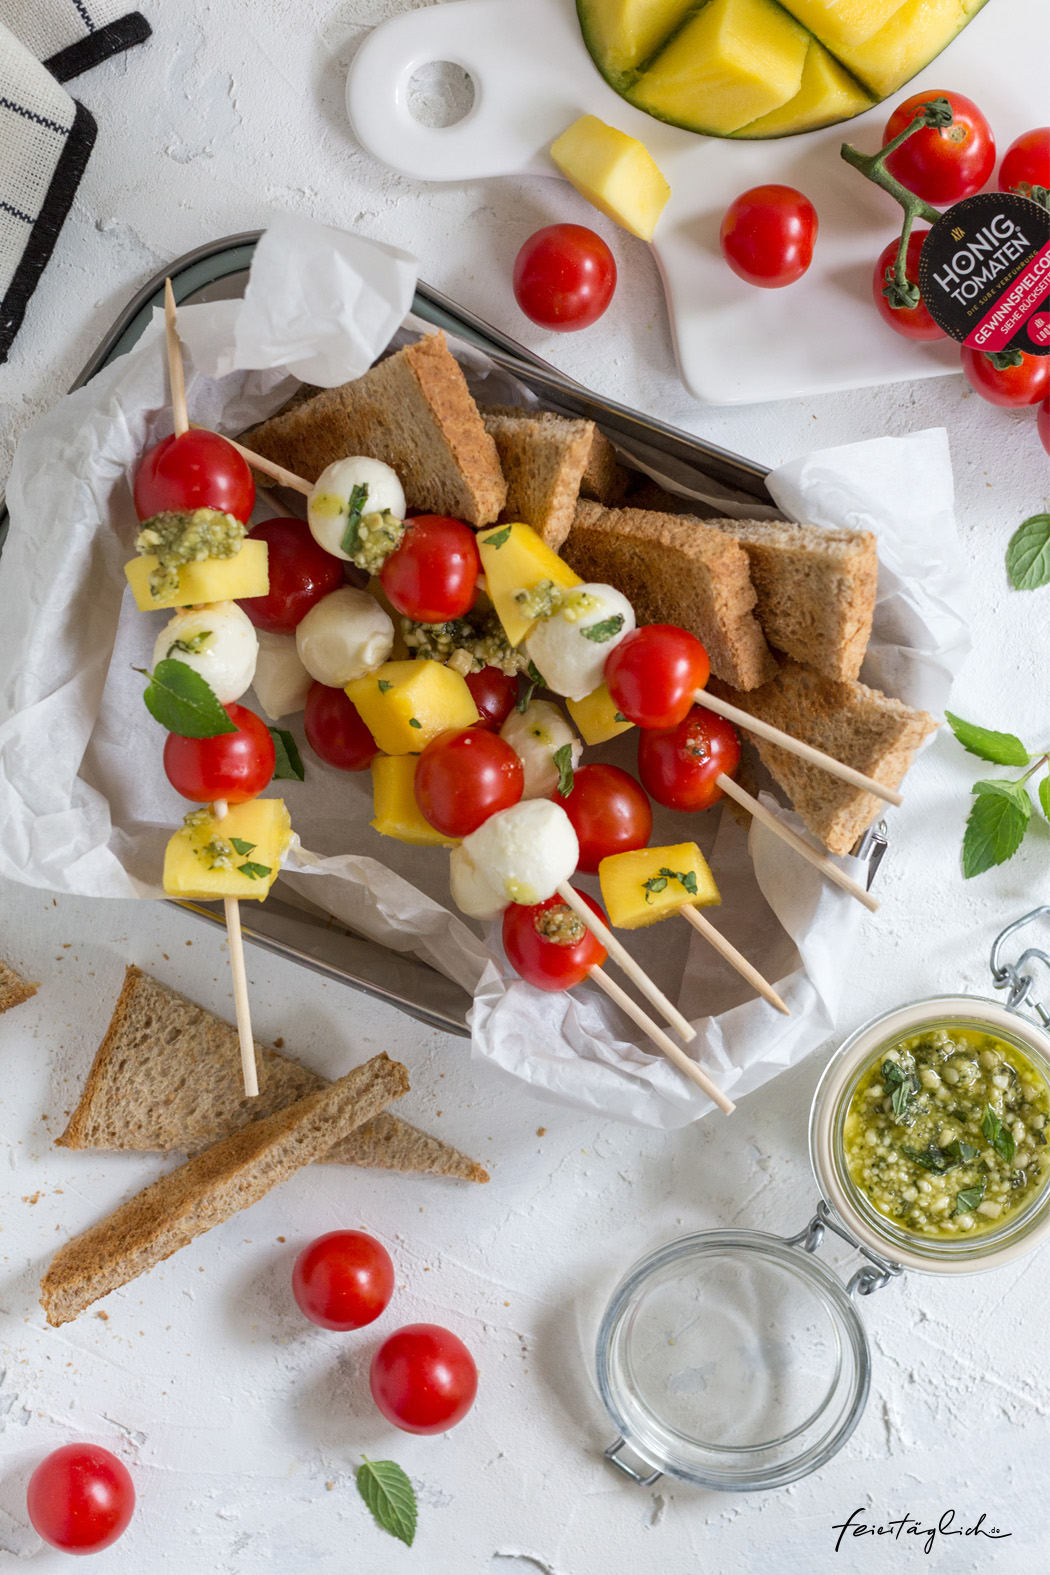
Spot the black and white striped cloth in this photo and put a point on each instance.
(45, 135)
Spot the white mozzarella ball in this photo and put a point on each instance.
(217, 641)
(472, 891)
(328, 506)
(344, 636)
(281, 681)
(535, 736)
(570, 648)
(525, 852)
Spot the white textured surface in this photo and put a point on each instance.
(233, 1416)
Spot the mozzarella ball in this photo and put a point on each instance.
(571, 659)
(344, 636)
(535, 735)
(328, 506)
(281, 681)
(217, 641)
(525, 852)
(472, 891)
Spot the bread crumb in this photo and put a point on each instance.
(34, 1199)
(104, 1316)
(329, 1486)
(541, 1131)
(279, 1043)
(280, 1238)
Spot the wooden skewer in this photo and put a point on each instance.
(621, 955)
(672, 1051)
(799, 844)
(795, 746)
(747, 970)
(286, 478)
(175, 373)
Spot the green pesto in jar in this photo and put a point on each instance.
(948, 1132)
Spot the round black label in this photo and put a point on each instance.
(984, 273)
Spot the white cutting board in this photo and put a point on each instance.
(736, 344)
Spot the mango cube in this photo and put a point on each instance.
(843, 23)
(646, 886)
(597, 717)
(238, 856)
(405, 705)
(912, 36)
(515, 560)
(616, 173)
(827, 94)
(621, 34)
(394, 799)
(210, 580)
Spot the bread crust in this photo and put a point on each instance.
(13, 988)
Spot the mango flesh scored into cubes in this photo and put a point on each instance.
(210, 580)
(621, 34)
(513, 559)
(597, 718)
(732, 62)
(394, 800)
(908, 42)
(405, 705)
(651, 884)
(615, 172)
(261, 826)
(827, 94)
(841, 23)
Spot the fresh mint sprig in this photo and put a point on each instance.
(390, 1496)
(1002, 810)
(1028, 554)
(182, 701)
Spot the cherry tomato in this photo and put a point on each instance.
(1042, 422)
(234, 766)
(767, 235)
(463, 778)
(549, 945)
(198, 470)
(495, 695)
(1024, 384)
(301, 573)
(653, 674)
(609, 812)
(679, 765)
(564, 277)
(433, 575)
(334, 730)
(912, 322)
(942, 164)
(1026, 163)
(423, 1378)
(80, 1499)
(343, 1280)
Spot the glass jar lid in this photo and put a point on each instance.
(733, 1360)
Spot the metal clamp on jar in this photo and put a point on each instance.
(736, 1360)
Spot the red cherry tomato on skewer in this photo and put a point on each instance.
(343, 1280)
(1026, 163)
(495, 694)
(301, 574)
(609, 812)
(942, 164)
(653, 674)
(1011, 386)
(549, 945)
(768, 234)
(198, 470)
(80, 1499)
(423, 1378)
(432, 576)
(911, 322)
(564, 277)
(679, 766)
(334, 729)
(463, 778)
(234, 766)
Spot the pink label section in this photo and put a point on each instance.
(1013, 308)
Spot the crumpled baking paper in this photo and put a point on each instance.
(85, 806)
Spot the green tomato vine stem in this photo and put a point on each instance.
(937, 114)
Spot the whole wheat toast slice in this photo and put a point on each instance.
(167, 1077)
(676, 569)
(231, 1175)
(543, 458)
(13, 988)
(414, 411)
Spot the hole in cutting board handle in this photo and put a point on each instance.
(440, 94)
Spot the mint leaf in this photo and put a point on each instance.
(182, 701)
(355, 506)
(242, 847)
(1028, 554)
(254, 871)
(1044, 796)
(655, 883)
(384, 685)
(1006, 788)
(1003, 749)
(497, 539)
(289, 762)
(388, 1493)
(685, 878)
(994, 831)
(534, 681)
(601, 632)
(563, 760)
(414, 721)
(191, 647)
(1000, 1139)
(967, 1200)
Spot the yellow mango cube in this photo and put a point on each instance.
(210, 580)
(515, 562)
(650, 884)
(842, 23)
(827, 94)
(394, 800)
(616, 173)
(914, 34)
(405, 705)
(238, 856)
(621, 34)
(596, 716)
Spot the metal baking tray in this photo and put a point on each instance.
(286, 924)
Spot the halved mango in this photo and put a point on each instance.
(908, 42)
(842, 23)
(622, 34)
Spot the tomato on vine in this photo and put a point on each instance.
(1026, 164)
(911, 321)
(1008, 377)
(941, 163)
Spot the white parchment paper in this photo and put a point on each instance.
(85, 806)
